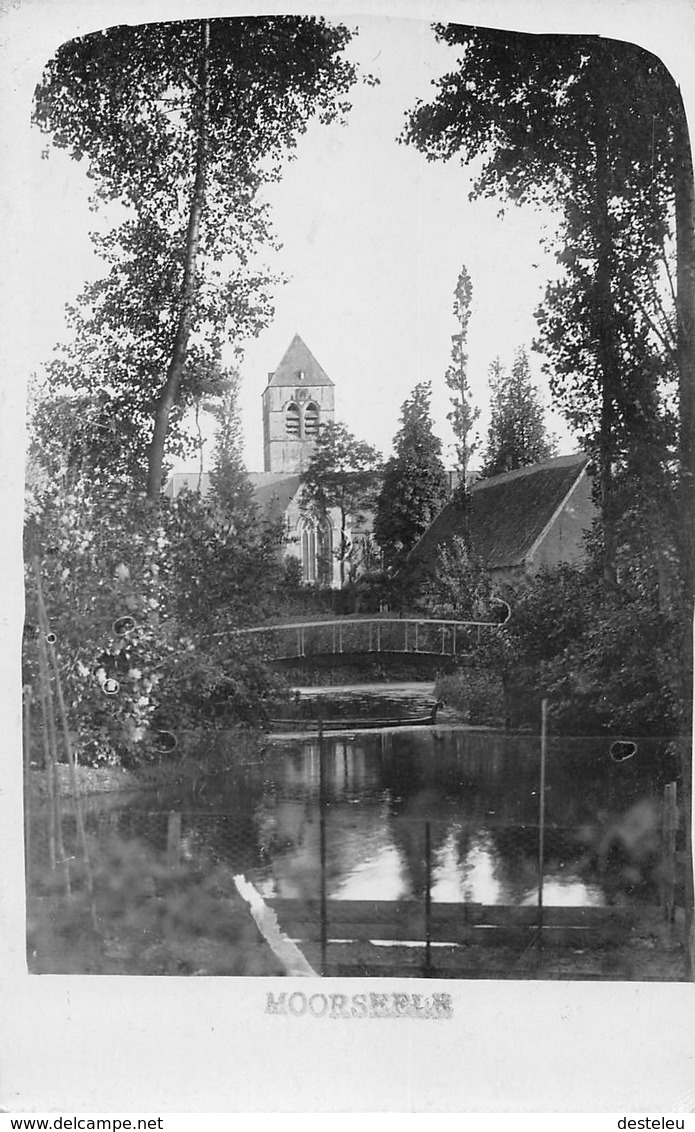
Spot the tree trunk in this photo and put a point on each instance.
(608, 354)
(169, 394)
(684, 191)
(685, 346)
(343, 545)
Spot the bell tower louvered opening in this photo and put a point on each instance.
(292, 420)
(311, 421)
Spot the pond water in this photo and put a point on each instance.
(354, 815)
(444, 814)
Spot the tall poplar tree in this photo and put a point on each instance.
(463, 415)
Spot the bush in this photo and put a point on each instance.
(144, 603)
(477, 693)
(608, 661)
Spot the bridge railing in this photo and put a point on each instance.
(429, 636)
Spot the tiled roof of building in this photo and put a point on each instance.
(509, 512)
(299, 367)
(187, 481)
(273, 491)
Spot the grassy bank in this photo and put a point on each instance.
(135, 913)
(197, 754)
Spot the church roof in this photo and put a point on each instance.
(509, 513)
(274, 491)
(187, 481)
(299, 367)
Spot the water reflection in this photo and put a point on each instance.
(378, 795)
(567, 892)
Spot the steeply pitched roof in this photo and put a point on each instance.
(509, 513)
(273, 492)
(297, 361)
(187, 481)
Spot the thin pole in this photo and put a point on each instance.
(56, 848)
(541, 819)
(174, 840)
(669, 830)
(28, 699)
(322, 835)
(50, 782)
(428, 897)
(45, 628)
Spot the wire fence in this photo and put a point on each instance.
(407, 894)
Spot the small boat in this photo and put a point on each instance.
(424, 719)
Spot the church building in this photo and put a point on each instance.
(297, 401)
(519, 522)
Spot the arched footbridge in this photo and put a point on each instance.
(347, 639)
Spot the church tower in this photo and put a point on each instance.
(298, 399)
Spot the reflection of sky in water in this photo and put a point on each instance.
(380, 877)
(472, 879)
(567, 892)
(374, 796)
(479, 868)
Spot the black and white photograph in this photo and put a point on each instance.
(356, 505)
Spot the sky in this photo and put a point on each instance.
(373, 239)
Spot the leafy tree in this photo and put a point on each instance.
(517, 435)
(68, 433)
(152, 605)
(414, 486)
(460, 587)
(608, 662)
(599, 126)
(181, 123)
(230, 487)
(343, 473)
(462, 416)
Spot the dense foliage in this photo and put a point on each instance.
(343, 473)
(144, 611)
(607, 662)
(517, 434)
(414, 486)
(595, 129)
